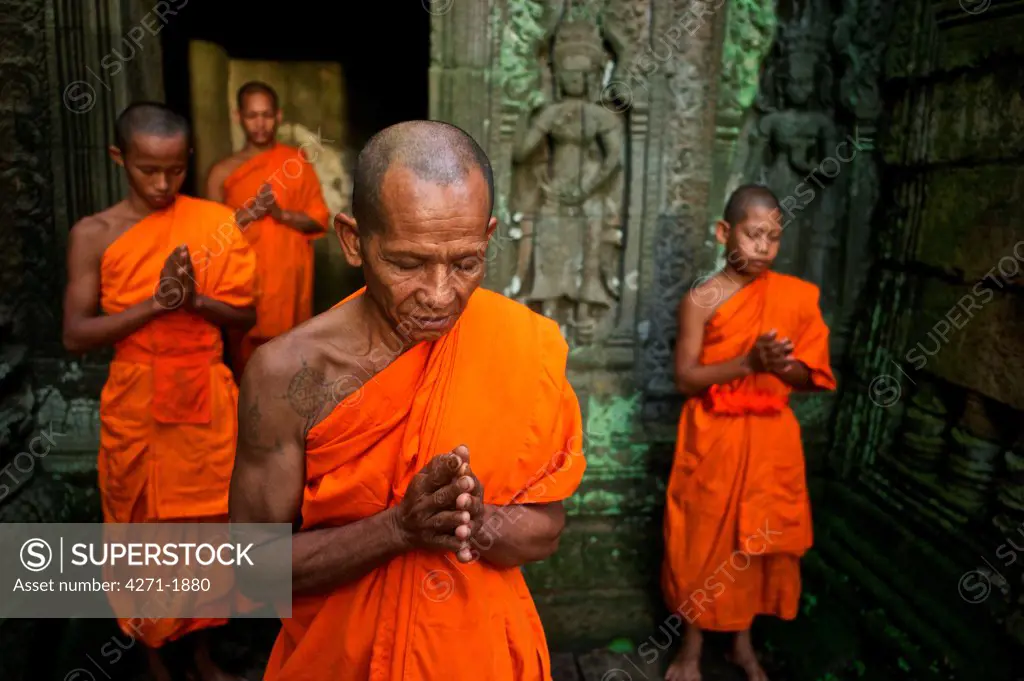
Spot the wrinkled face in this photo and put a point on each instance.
(752, 244)
(155, 167)
(259, 118)
(428, 257)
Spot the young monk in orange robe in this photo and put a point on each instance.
(280, 208)
(427, 439)
(156, 276)
(737, 518)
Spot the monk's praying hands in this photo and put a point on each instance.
(437, 510)
(176, 286)
(471, 500)
(770, 354)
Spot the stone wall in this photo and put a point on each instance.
(930, 411)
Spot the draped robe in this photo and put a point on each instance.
(284, 256)
(496, 383)
(168, 410)
(737, 517)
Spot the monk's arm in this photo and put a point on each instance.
(692, 377)
(268, 481)
(215, 184)
(299, 221)
(518, 534)
(224, 315)
(85, 327)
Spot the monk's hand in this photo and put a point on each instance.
(187, 274)
(770, 353)
(173, 289)
(268, 202)
(759, 356)
(781, 356)
(427, 517)
(256, 208)
(471, 500)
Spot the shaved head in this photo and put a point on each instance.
(148, 118)
(434, 151)
(253, 87)
(746, 197)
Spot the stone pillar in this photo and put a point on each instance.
(673, 250)
(94, 58)
(632, 80)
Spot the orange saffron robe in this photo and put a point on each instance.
(738, 517)
(496, 383)
(284, 256)
(168, 410)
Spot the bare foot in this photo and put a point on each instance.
(743, 655)
(686, 665)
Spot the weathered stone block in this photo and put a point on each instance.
(971, 117)
(974, 31)
(965, 229)
(972, 336)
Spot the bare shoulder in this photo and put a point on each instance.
(224, 167)
(701, 300)
(295, 372)
(290, 366)
(94, 233)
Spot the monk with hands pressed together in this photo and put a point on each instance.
(280, 209)
(737, 516)
(422, 433)
(157, 276)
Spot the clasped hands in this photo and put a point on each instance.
(770, 355)
(443, 508)
(259, 206)
(177, 285)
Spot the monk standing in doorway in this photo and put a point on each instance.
(423, 433)
(737, 518)
(280, 207)
(157, 276)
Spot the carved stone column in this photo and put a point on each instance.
(100, 56)
(673, 251)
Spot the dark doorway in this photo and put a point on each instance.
(382, 49)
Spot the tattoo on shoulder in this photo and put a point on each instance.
(307, 391)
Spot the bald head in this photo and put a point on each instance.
(255, 87)
(148, 118)
(433, 151)
(746, 197)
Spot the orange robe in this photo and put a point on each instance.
(284, 256)
(738, 517)
(496, 383)
(168, 411)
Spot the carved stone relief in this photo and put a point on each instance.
(568, 190)
(795, 134)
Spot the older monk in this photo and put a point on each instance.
(421, 434)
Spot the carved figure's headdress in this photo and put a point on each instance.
(579, 45)
(807, 32)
